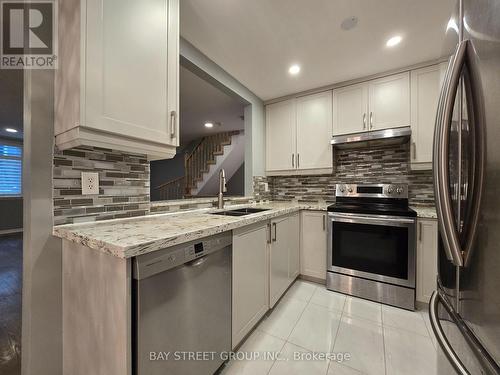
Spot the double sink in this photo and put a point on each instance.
(240, 211)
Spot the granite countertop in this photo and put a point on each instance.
(126, 238)
(425, 212)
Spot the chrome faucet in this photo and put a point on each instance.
(222, 188)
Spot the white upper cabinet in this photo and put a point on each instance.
(350, 109)
(298, 133)
(125, 93)
(314, 131)
(425, 90)
(374, 105)
(389, 102)
(280, 136)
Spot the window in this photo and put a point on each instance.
(11, 157)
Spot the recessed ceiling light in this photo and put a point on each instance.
(294, 69)
(209, 125)
(10, 130)
(395, 40)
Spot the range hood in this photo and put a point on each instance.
(372, 138)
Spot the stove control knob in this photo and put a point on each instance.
(399, 190)
(390, 190)
(349, 189)
(342, 188)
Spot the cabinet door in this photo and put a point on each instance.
(278, 259)
(389, 102)
(425, 89)
(313, 243)
(131, 69)
(250, 279)
(293, 236)
(314, 131)
(350, 109)
(427, 242)
(280, 136)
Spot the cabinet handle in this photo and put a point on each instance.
(268, 233)
(371, 120)
(414, 148)
(324, 223)
(293, 160)
(298, 160)
(364, 121)
(419, 231)
(173, 123)
(275, 234)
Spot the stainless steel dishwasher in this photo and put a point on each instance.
(182, 308)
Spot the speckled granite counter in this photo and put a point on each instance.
(425, 212)
(126, 238)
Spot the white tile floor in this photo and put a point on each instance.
(380, 339)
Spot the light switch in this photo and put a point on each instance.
(90, 183)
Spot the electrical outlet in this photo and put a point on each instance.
(90, 183)
(266, 187)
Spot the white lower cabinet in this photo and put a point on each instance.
(427, 248)
(250, 279)
(313, 244)
(284, 258)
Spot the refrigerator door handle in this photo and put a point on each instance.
(441, 337)
(441, 158)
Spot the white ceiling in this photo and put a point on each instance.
(256, 41)
(201, 102)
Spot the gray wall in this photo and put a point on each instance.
(254, 110)
(236, 185)
(11, 213)
(42, 261)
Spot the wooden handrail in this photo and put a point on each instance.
(196, 163)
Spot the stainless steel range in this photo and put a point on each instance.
(371, 244)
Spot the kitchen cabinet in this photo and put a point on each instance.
(350, 109)
(389, 102)
(425, 89)
(314, 131)
(298, 133)
(313, 244)
(118, 87)
(373, 105)
(280, 136)
(427, 248)
(284, 258)
(250, 279)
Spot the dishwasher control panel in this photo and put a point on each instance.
(162, 260)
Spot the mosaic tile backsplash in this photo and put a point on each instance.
(389, 164)
(123, 185)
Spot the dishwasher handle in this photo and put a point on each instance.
(196, 262)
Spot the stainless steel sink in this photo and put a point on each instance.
(228, 213)
(240, 211)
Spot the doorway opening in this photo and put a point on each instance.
(212, 138)
(11, 219)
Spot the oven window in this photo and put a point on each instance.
(377, 249)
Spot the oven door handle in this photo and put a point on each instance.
(372, 219)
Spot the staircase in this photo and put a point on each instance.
(221, 150)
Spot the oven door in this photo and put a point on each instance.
(375, 247)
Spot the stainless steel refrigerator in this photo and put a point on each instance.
(465, 309)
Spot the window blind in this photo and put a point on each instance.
(10, 169)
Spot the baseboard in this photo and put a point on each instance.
(313, 279)
(10, 231)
